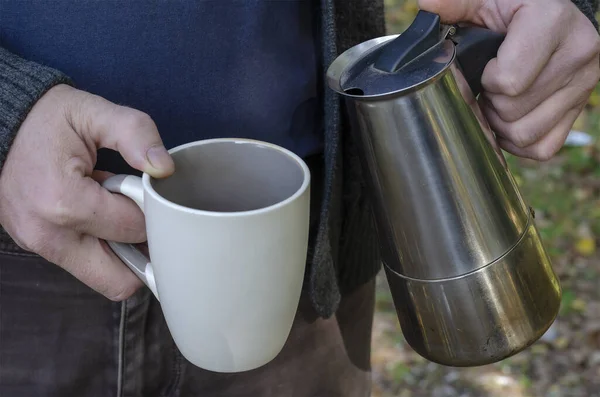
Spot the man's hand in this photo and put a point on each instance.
(545, 71)
(50, 200)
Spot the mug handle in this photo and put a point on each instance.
(132, 187)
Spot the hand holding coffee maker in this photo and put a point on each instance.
(470, 278)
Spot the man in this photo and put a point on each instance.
(74, 319)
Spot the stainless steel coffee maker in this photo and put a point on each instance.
(470, 278)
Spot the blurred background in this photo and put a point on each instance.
(565, 195)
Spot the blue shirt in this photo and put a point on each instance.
(200, 69)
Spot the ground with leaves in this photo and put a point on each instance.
(566, 362)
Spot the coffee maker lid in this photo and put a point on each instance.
(395, 64)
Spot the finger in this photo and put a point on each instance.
(549, 145)
(128, 131)
(85, 206)
(110, 216)
(526, 50)
(533, 126)
(93, 263)
(560, 72)
(453, 11)
(101, 176)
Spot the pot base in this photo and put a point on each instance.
(484, 316)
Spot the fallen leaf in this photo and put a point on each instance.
(539, 348)
(578, 305)
(561, 342)
(586, 246)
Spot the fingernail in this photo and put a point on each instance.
(159, 158)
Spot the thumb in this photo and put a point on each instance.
(453, 11)
(128, 131)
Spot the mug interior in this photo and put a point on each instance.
(230, 176)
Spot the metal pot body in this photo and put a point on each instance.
(470, 278)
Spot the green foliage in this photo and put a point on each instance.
(399, 371)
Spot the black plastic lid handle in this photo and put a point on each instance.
(421, 35)
(475, 47)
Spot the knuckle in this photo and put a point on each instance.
(111, 285)
(62, 215)
(557, 12)
(34, 234)
(546, 151)
(510, 84)
(587, 52)
(57, 210)
(31, 238)
(77, 165)
(55, 253)
(24, 239)
(508, 109)
(586, 84)
(32, 243)
(585, 42)
(594, 44)
(592, 78)
(136, 120)
(513, 133)
(543, 154)
(588, 88)
(520, 142)
(121, 293)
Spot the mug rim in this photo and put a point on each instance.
(146, 179)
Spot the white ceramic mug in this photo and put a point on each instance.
(227, 237)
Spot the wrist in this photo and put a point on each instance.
(22, 84)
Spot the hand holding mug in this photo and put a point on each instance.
(50, 200)
(227, 230)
